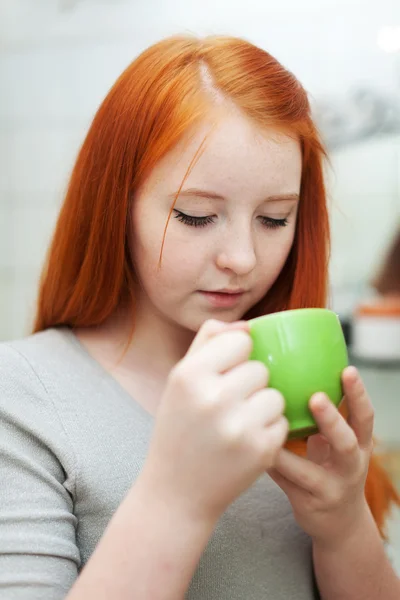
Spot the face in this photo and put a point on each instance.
(232, 227)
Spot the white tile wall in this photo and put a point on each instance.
(367, 167)
(365, 208)
(362, 228)
(5, 160)
(33, 227)
(6, 242)
(41, 159)
(61, 84)
(8, 330)
(23, 295)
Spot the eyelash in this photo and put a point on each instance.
(191, 221)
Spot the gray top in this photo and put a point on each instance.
(72, 442)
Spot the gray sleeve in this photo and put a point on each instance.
(39, 558)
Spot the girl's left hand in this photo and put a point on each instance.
(326, 489)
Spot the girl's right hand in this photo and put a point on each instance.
(218, 427)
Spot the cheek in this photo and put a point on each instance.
(182, 263)
(145, 245)
(287, 245)
(274, 259)
(183, 260)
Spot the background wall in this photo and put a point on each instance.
(58, 60)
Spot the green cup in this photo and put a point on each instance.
(305, 352)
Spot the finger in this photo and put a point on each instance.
(342, 440)
(213, 327)
(222, 352)
(318, 449)
(246, 379)
(287, 486)
(263, 422)
(361, 410)
(273, 437)
(301, 472)
(263, 408)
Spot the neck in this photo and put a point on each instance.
(155, 346)
(156, 341)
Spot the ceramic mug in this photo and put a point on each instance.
(305, 352)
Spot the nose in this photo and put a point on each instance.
(236, 252)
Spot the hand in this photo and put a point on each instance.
(218, 427)
(326, 489)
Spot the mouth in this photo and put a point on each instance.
(228, 291)
(223, 298)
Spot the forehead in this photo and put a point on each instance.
(237, 157)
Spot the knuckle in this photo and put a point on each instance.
(334, 418)
(334, 496)
(284, 429)
(277, 435)
(334, 421)
(275, 400)
(369, 416)
(176, 373)
(243, 341)
(313, 482)
(209, 328)
(221, 394)
(351, 445)
(211, 325)
(259, 372)
(206, 410)
(284, 423)
(182, 375)
(231, 431)
(370, 447)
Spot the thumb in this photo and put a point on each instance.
(213, 327)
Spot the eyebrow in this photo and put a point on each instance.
(195, 192)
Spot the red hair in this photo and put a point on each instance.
(160, 97)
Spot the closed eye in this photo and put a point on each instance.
(193, 221)
(271, 223)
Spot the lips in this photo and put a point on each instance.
(223, 299)
(227, 291)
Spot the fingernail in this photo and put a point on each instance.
(351, 376)
(320, 402)
(353, 372)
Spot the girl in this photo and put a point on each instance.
(142, 455)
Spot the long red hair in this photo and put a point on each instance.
(164, 93)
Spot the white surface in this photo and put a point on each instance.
(376, 337)
(383, 385)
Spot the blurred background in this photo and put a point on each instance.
(58, 58)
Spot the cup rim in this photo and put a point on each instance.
(294, 311)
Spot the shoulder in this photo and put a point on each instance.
(38, 477)
(21, 360)
(16, 373)
(28, 409)
(33, 373)
(36, 361)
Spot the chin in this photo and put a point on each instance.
(225, 316)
